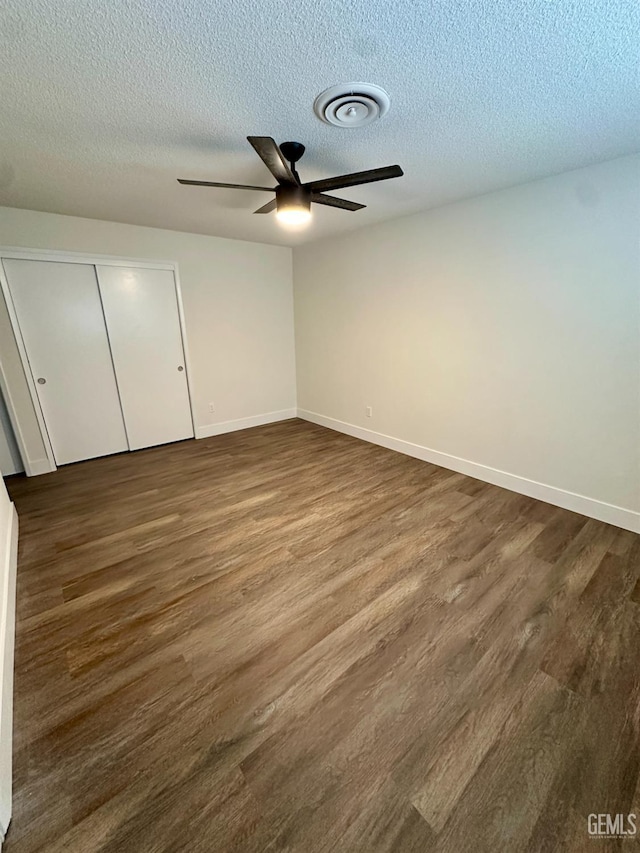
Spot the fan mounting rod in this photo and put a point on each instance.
(292, 152)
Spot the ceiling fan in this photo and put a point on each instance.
(293, 198)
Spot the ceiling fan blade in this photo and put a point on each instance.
(268, 207)
(355, 179)
(271, 156)
(330, 201)
(227, 186)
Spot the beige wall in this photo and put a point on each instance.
(504, 330)
(238, 311)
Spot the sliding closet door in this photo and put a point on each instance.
(141, 311)
(62, 324)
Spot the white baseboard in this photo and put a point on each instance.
(245, 423)
(8, 568)
(616, 515)
(34, 467)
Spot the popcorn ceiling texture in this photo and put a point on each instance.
(104, 104)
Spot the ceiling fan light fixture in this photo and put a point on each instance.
(293, 199)
(293, 206)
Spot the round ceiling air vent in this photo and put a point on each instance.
(351, 104)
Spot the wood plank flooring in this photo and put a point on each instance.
(285, 639)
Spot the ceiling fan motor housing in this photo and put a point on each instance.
(351, 104)
(291, 196)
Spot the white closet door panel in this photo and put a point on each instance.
(62, 324)
(141, 310)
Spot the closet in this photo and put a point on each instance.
(104, 346)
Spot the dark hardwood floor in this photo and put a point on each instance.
(285, 639)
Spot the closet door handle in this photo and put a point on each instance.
(42, 381)
(180, 368)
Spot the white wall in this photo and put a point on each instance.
(238, 306)
(8, 557)
(503, 330)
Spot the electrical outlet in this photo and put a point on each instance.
(212, 408)
(368, 411)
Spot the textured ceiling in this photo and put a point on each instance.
(104, 103)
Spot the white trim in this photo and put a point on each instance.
(62, 256)
(7, 645)
(245, 423)
(620, 517)
(39, 466)
(6, 393)
(35, 467)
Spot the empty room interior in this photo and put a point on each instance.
(319, 426)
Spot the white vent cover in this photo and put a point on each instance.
(351, 104)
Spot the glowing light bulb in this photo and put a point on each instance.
(294, 216)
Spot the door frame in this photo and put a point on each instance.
(61, 256)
